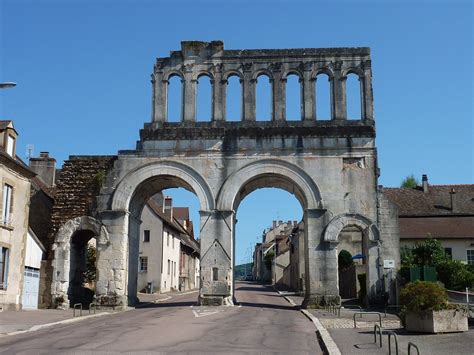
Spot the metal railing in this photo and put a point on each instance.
(92, 306)
(360, 313)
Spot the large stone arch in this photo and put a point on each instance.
(184, 176)
(62, 247)
(269, 173)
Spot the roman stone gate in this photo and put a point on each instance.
(330, 166)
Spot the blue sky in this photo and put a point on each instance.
(83, 72)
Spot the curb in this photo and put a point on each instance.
(62, 322)
(326, 339)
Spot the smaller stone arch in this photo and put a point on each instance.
(173, 73)
(62, 247)
(353, 70)
(338, 223)
(260, 72)
(323, 70)
(232, 72)
(202, 73)
(292, 71)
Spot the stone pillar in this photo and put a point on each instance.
(216, 258)
(218, 95)
(338, 88)
(279, 97)
(308, 97)
(189, 97)
(374, 274)
(321, 275)
(367, 93)
(248, 94)
(113, 261)
(160, 97)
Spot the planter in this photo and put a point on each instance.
(447, 321)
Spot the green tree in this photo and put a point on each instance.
(410, 182)
(91, 257)
(428, 252)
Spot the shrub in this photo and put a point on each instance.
(421, 296)
(455, 275)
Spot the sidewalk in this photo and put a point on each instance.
(360, 340)
(14, 321)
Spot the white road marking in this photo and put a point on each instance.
(204, 313)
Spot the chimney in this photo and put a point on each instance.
(274, 224)
(280, 222)
(424, 183)
(168, 207)
(295, 223)
(45, 167)
(454, 205)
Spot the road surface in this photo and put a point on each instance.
(262, 323)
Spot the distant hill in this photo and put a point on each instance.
(239, 270)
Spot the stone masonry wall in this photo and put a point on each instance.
(77, 187)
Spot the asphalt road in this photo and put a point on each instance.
(262, 323)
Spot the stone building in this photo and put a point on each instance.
(329, 165)
(443, 212)
(15, 179)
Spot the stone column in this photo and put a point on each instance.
(160, 97)
(189, 97)
(219, 95)
(374, 282)
(338, 88)
(216, 258)
(279, 97)
(308, 97)
(367, 93)
(113, 261)
(248, 94)
(321, 275)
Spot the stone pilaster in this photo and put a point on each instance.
(189, 96)
(338, 87)
(321, 275)
(248, 94)
(308, 97)
(217, 253)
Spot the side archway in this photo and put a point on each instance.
(268, 173)
(338, 223)
(62, 247)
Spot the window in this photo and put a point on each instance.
(174, 268)
(172, 242)
(167, 239)
(215, 274)
(169, 261)
(7, 204)
(448, 252)
(3, 268)
(10, 146)
(143, 264)
(470, 256)
(146, 236)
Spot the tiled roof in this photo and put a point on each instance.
(413, 202)
(4, 124)
(181, 213)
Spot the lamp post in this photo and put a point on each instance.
(7, 85)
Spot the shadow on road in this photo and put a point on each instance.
(167, 304)
(267, 305)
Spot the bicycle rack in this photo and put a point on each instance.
(390, 334)
(410, 344)
(377, 313)
(376, 326)
(77, 306)
(92, 305)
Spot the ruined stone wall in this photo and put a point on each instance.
(77, 187)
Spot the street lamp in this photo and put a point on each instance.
(7, 85)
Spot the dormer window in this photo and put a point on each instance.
(8, 138)
(10, 145)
